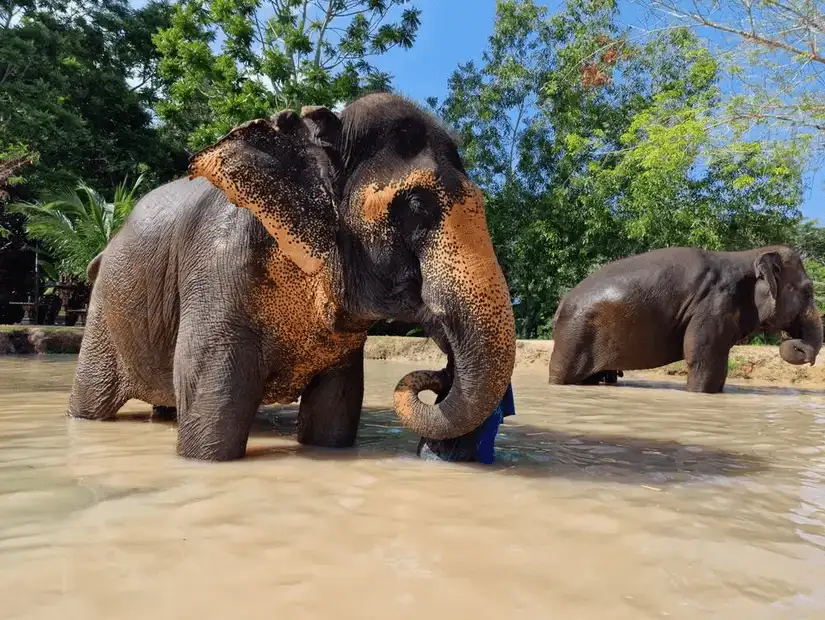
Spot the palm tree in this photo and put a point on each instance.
(74, 228)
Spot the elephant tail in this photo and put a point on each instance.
(93, 268)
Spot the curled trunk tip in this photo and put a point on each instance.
(408, 405)
(796, 352)
(807, 341)
(458, 414)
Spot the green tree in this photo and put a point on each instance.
(771, 48)
(591, 146)
(809, 238)
(76, 227)
(13, 160)
(816, 271)
(227, 61)
(76, 82)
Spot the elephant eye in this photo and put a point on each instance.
(415, 213)
(424, 208)
(416, 205)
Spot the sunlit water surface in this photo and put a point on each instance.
(629, 502)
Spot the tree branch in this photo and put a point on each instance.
(145, 81)
(748, 36)
(514, 139)
(319, 45)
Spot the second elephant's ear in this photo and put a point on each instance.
(269, 167)
(768, 267)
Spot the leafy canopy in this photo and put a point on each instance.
(76, 227)
(271, 54)
(65, 91)
(771, 50)
(591, 146)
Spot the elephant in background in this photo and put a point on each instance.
(608, 377)
(256, 280)
(663, 306)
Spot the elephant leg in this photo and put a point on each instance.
(162, 412)
(330, 408)
(219, 385)
(593, 379)
(707, 361)
(98, 391)
(611, 377)
(458, 450)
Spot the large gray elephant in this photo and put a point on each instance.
(344, 221)
(667, 305)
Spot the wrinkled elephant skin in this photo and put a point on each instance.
(688, 304)
(256, 279)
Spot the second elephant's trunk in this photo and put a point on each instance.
(807, 339)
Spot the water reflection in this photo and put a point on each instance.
(630, 501)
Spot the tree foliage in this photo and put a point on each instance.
(76, 227)
(271, 54)
(809, 238)
(774, 51)
(76, 83)
(591, 146)
(13, 159)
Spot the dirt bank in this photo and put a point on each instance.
(25, 340)
(759, 363)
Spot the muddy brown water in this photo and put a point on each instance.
(637, 501)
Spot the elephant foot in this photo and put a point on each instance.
(608, 377)
(611, 377)
(161, 412)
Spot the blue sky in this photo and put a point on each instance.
(454, 31)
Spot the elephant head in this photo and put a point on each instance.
(784, 298)
(380, 199)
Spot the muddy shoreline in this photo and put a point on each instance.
(756, 363)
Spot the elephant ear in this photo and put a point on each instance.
(271, 168)
(768, 266)
(325, 129)
(323, 124)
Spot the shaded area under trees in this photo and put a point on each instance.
(589, 143)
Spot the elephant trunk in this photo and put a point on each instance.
(464, 289)
(807, 339)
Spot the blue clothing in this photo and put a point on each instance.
(487, 437)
